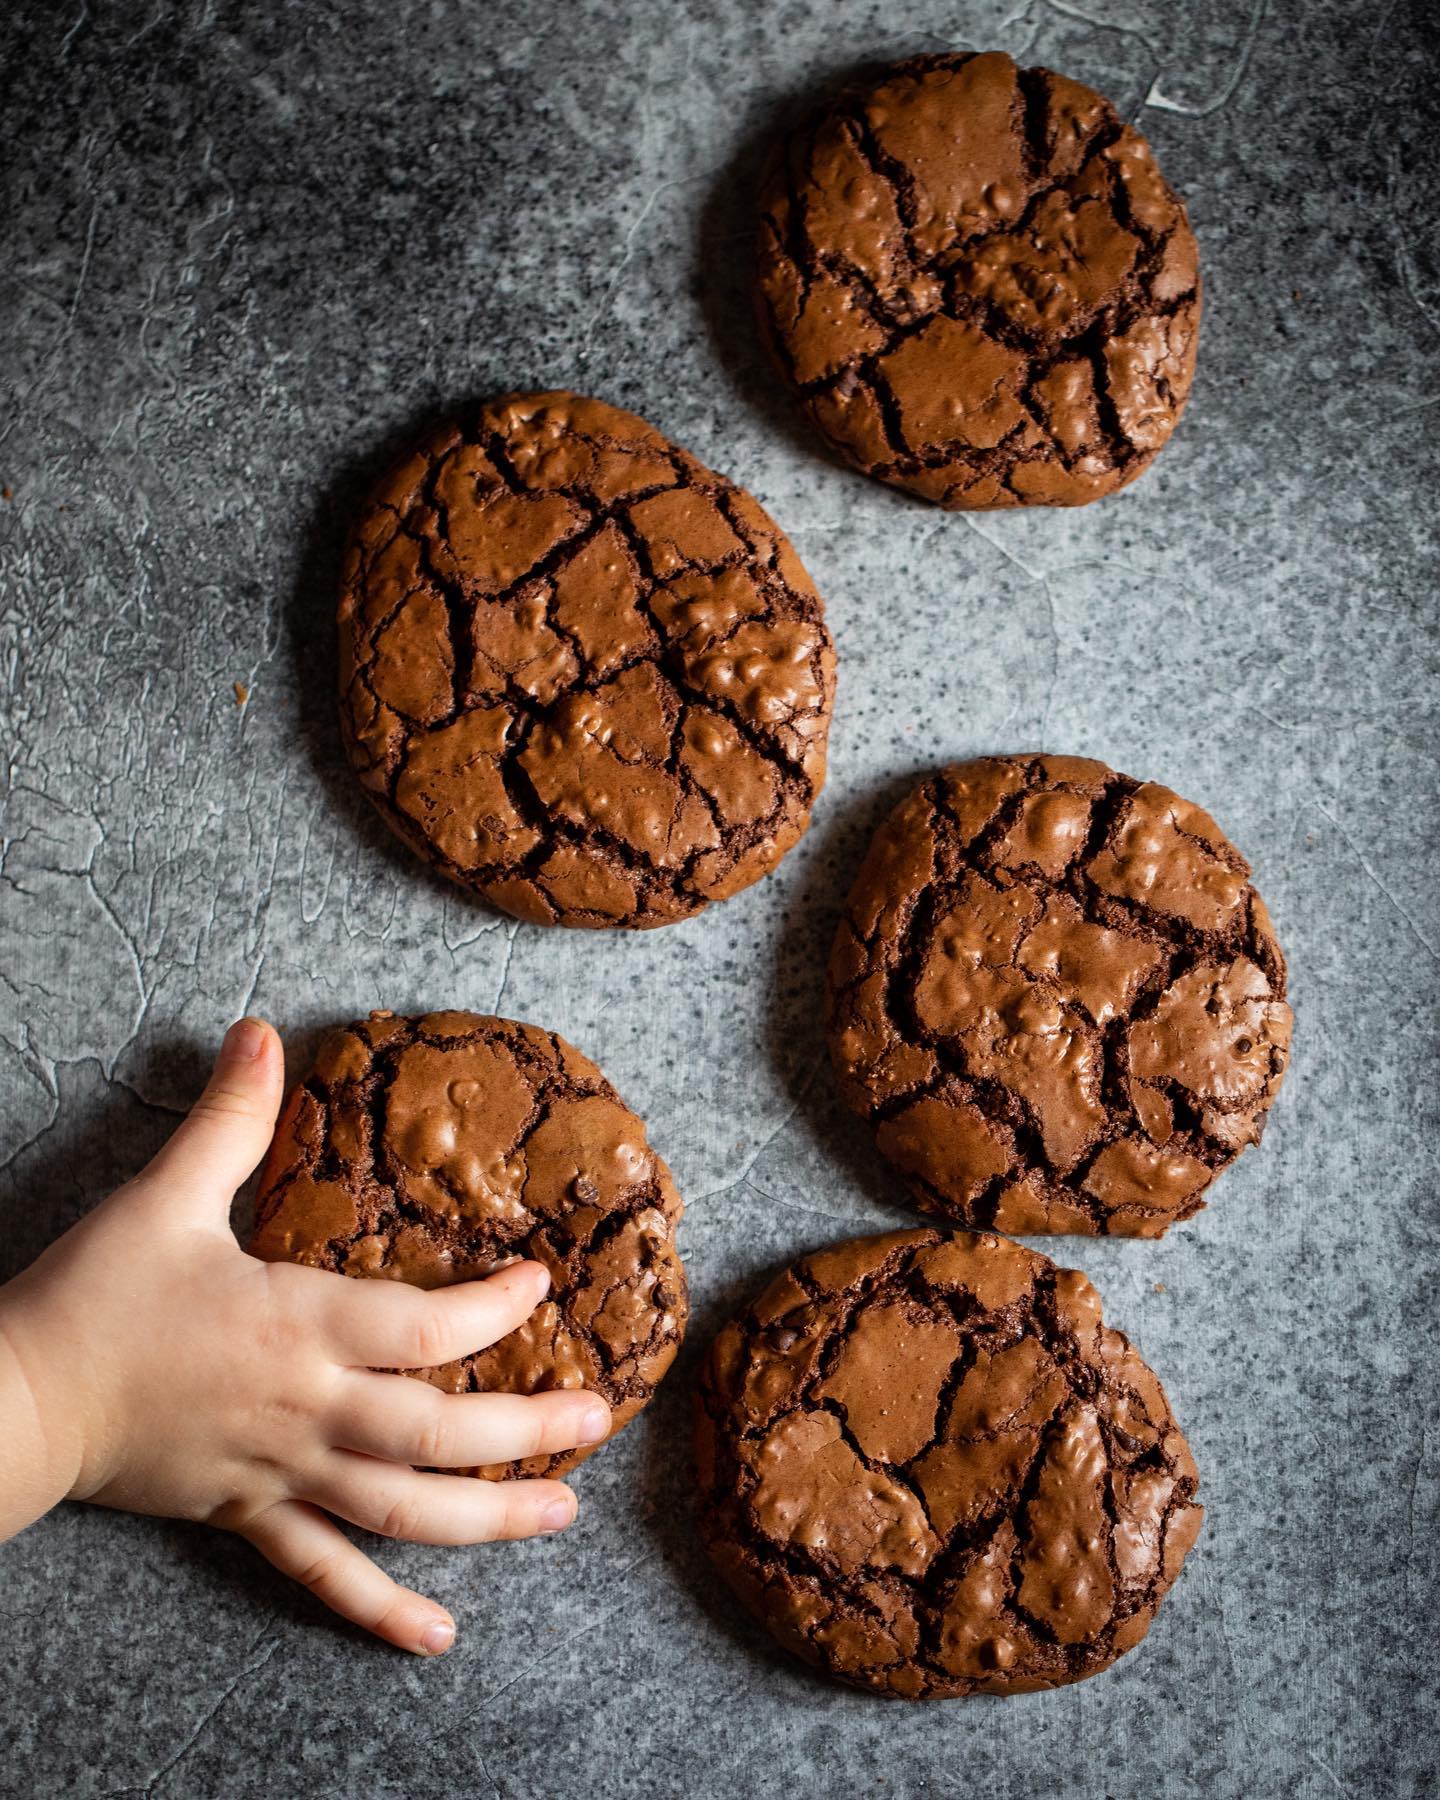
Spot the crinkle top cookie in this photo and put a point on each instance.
(580, 673)
(1057, 998)
(980, 285)
(431, 1149)
(927, 1465)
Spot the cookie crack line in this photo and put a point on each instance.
(431, 1149)
(1057, 997)
(1047, 346)
(1030, 1551)
(978, 284)
(580, 673)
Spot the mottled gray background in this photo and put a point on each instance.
(245, 251)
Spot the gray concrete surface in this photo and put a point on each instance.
(246, 250)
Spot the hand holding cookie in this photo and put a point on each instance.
(148, 1363)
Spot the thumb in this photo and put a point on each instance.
(228, 1129)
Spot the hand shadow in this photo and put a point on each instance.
(102, 1134)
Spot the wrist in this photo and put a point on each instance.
(44, 1438)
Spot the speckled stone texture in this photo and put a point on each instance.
(249, 252)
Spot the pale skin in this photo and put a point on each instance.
(148, 1363)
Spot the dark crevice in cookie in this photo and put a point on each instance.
(462, 640)
(1033, 109)
(896, 175)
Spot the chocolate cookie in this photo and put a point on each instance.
(927, 1465)
(980, 285)
(580, 673)
(1057, 998)
(429, 1150)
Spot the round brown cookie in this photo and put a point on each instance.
(430, 1150)
(927, 1465)
(1057, 998)
(980, 285)
(580, 673)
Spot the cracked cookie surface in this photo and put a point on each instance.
(429, 1149)
(580, 673)
(979, 284)
(927, 1465)
(1057, 998)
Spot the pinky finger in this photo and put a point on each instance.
(310, 1548)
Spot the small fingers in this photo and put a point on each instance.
(227, 1130)
(303, 1544)
(411, 1422)
(389, 1325)
(395, 1502)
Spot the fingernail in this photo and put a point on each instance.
(245, 1038)
(557, 1515)
(594, 1424)
(437, 1637)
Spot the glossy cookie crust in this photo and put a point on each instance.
(928, 1466)
(1057, 998)
(581, 673)
(979, 284)
(428, 1150)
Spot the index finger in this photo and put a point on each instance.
(385, 1324)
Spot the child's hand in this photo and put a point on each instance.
(147, 1362)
